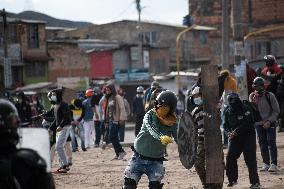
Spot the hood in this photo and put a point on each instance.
(59, 94)
(112, 88)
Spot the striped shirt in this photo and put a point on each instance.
(197, 114)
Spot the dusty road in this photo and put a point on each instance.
(93, 169)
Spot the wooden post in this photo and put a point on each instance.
(213, 139)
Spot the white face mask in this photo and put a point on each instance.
(53, 98)
(198, 101)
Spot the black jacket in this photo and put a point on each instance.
(240, 121)
(24, 111)
(138, 106)
(62, 116)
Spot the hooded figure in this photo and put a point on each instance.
(115, 115)
(24, 109)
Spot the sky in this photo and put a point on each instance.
(102, 11)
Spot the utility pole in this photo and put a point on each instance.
(237, 30)
(239, 61)
(6, 62)
(225, 34)
(139, 29)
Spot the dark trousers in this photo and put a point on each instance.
(281, 115)
(105, 132)
(247, 146)
(121, 132)
(138, 123)
(113, 137)
(267, 144)
(98, 126)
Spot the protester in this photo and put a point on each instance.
(239, 125)
(24, 109)
(128, 112)
(280, 98)
(97, 116)
(88, 122)
(227, 85)
(159, 125)
(198, 114)
(77, 114)
(115, 116)
(104, 123)
(268, 108)
(19, 168)
(62, 125)
(271, 73)
(138, 109)
(148, 93)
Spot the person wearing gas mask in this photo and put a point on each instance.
(138, 109)
(159, 126)
(239, 125)
(269, 110)
(19, 168)
(24, 109)
(62, 124)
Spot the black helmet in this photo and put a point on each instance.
(269, 60)
(9, 122)
(258, 81)
(167, 98)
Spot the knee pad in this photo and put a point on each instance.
(129, 183)
(155, 185)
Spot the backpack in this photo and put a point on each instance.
(254, 109)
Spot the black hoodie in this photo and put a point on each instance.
(61, 111)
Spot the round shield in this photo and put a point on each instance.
(187, 140)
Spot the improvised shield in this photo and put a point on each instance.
(187, 140)
(36, 139)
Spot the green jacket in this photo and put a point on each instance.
(147, 142)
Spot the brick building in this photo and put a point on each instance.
(26, 50)
(156, 35)
(256, 14)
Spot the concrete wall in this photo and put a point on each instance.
(67, 61)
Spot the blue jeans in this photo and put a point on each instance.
(113, 137)
(267, 143)
(74, 143)
(61, 138)
(81, 133)
(137, 167)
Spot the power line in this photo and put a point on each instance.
(124, 11)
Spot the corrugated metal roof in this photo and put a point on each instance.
(9, 19)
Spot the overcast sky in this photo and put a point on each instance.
(102, 11)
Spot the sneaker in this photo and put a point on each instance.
(273, 168)
(84, 149)
(231, 184)
(61, 170)
(255, 186)
(121, 155)
(264, 168)
(96, 146)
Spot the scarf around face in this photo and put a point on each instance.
(165, 117)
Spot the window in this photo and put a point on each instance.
(262, 47)
(35, 69)
(33, 41)
(203, 37)
(148, 37)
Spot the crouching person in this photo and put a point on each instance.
(159, 126)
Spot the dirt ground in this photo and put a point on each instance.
(93, 169)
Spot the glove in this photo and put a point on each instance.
(165, 140)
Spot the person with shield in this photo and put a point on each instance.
(239, 125)
(19, 168)
(198, 115)
(159, 126)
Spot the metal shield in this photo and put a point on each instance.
(187, 140)
(36, 139)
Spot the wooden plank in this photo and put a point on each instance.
(213, 139)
